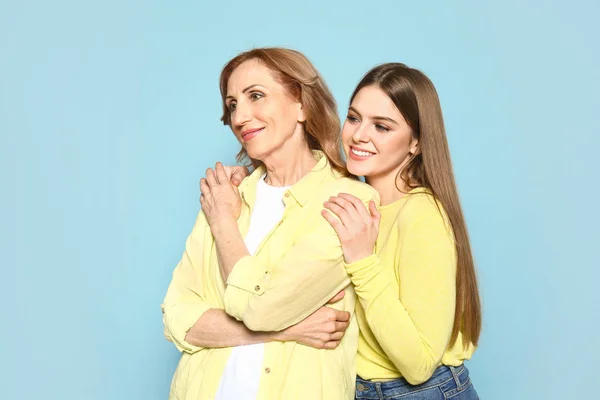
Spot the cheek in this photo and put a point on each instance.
(395, 148)
(347, 133)
(274, 114)
(259, 112)
(286, 118)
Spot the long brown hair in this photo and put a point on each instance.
(302, 81)
(417, 100)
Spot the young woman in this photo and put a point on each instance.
(410, 259)
(245, 302)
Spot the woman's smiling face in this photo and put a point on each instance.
(376, 138)
(263, 114)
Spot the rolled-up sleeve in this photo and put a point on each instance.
(184, 303)
(310, 274)
(274, 297)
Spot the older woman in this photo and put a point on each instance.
(262, 253)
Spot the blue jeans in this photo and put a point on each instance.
(445, 383)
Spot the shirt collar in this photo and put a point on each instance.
(301, 190)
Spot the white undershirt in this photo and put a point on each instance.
(242, 373)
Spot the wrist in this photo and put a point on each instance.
(283, 336)
(223, 227)
(363, 268)
(352, 258)
(266, 337)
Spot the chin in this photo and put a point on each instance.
(357, 170)
(257, 153)
(253, 150)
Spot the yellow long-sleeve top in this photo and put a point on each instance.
(296, 269)
(406, 293)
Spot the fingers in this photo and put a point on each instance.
(339, 211)
(344, 209)
(326, 330)
(220, 173)
(204, 187)
(239, 173)
(234, 174)
(359, 206)
(340, 326)
(336, 336)
(340, 229)
(211, 177)
(342, 316)
(334, 339)
(375, 213)
(331, 345)
(337, 297)
(205, 193)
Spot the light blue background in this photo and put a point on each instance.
(109, 114)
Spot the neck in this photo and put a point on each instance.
(288, 165)
(387, 186)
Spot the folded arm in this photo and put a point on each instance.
(413, 327)
(192, 324)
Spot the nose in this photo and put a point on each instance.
(360, 135)
(240, 116)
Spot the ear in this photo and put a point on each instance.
(414, 146)
(301, 113)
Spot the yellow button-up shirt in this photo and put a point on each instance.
(296, 269)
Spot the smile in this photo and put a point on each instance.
(361, 153)
(251, 133)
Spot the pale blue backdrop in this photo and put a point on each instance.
(109, 114)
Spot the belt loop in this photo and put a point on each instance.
(454, 372)
(379, 391)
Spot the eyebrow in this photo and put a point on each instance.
(243, 91)
(375, 118)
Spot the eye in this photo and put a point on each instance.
(381, 128)
(352, 119)
(231, 106)
(256, 95)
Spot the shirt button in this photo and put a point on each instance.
(268, 370)
(257, 288)
(287, 194)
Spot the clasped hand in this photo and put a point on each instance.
(220, 199)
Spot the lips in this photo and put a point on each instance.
(250, 133)
(359, 154)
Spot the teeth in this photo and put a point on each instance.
(362, 153)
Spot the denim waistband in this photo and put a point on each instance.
(449, 379)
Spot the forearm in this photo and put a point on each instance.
(230, 245)
(275, 298)
(216, 329)
(414, 342)
(274, 294)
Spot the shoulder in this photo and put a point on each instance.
(251, 181)
(353, 186)
(421, 208)
(421, 202)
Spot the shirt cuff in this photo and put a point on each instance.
(245, 280)
(178, 323)
(363, 271)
